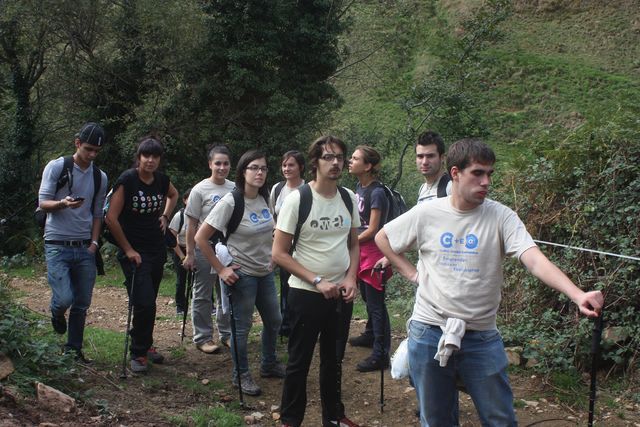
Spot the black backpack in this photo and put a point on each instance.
(397, 205)
(306, 200)
(66, 177)
(442, 185)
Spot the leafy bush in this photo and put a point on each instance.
(31, 347)
(583, 192)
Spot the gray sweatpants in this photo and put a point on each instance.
(202, 306)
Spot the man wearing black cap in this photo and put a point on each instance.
(72, 194)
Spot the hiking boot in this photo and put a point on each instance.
(139, 364)
(208, 347)
(371, 364)
(249, 387)
(154, 356)
(278, 370)
(78, 355)
(361, 341)
(59, 324)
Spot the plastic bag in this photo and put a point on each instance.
(400, 361)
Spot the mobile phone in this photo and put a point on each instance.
(78, 199)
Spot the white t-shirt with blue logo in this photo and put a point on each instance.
(204, 195)
(250, 244)
(460, 255)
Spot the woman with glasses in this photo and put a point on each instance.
(249, 276)
(292, 169)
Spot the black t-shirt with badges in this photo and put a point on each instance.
(143, 205)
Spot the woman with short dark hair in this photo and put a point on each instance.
(138, 215)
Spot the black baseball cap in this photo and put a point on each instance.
(91, 133)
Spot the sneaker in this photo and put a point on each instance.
(139, 364)
(361, 341)
(226, 341)
(208, 347)
(249, 387)
(371, 364)
(346, 422)
(154, 356)
(59, 324)
(179, 312)
(275, 371)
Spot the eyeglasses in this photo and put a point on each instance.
(256, 168)
(331, 157)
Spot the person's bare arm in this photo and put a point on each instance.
(115, 209)
(589, 303)
(227, 274)
(349, 284)
(399, 261)
(374, 225)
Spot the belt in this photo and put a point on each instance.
(72, 243)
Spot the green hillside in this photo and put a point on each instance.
(556, 66)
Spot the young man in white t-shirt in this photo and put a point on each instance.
(322, 284)
(430, 163)
(461, 242)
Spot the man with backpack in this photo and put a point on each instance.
(430, 162)
(320, 222)
(71, 194)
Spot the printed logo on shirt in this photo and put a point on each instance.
(326, 223)
(145, 204)
(448, 240)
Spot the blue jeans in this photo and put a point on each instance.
(71, 272)
(481, 364)
(247, 292)
(378, 324)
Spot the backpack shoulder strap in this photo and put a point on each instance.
(236, 215)
(278, 190)
(65, 175)
(442, 185)
(306, 200)
(97, 181)
(346, 198)
(181, 220)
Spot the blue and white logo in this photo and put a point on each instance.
(266, 214)
(253, 217)
(470, 241)
(446, 240)
(215, 198)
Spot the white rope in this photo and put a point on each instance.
(633, 258)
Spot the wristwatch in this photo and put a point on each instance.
(316, 281)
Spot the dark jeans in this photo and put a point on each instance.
(378, 321)
(181, 281)
(143, 295)
(311, 315)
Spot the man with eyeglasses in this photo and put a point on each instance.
(322, 285)
(73, 200)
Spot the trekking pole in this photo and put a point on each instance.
(235, 343)
(123, 375)
(339, 305)
(190, 279)
(595, 352)
(385, 356)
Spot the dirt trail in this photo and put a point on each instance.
(169, 390)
